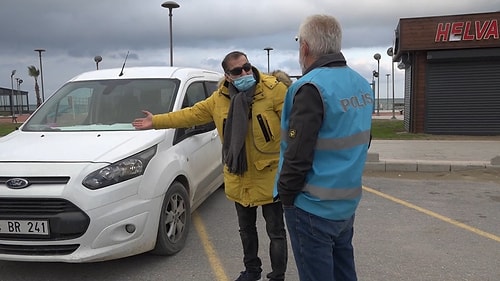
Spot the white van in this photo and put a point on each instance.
(79, 184)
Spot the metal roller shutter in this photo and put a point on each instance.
(463, 96)
(407, 107)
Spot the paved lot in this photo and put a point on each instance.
(428, 229)
(406, 230)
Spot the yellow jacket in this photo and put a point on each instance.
(262, 143)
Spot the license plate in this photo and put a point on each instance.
(30, 227)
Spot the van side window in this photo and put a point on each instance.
(196, 92)
(211, 87)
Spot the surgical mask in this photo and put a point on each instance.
(244, 83)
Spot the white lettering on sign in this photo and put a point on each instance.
(467, 31)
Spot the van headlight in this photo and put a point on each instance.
(122, 170)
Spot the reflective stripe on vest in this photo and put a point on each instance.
(343, 143)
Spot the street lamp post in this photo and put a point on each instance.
(377, 57)
(41, 71)
(170, 5)
(97, 60)
(19, 81)
(12, 94)
(374, 74)
(390, 52)
(387, 96)
(268, 49)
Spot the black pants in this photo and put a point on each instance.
(275, 228)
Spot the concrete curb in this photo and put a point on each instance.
(374, 163)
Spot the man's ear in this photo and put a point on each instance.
(228, 79)
(305, 48)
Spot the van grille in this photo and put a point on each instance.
(38, 250)
(38, 180)
(36, 206)
(66, 220)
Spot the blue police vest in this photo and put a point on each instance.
(334, 183)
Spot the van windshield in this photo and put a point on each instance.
(104, 105)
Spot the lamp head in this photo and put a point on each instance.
(13, 72)
(377, 56)
(390, 52)
(170, 5)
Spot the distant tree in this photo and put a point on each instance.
(33, 72)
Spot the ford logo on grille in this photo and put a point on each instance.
(17, 183)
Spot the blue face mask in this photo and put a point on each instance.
(244, 83)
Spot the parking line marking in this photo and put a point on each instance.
(435, 215)
(209, 248)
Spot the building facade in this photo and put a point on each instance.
(13, 101)
(452, 73)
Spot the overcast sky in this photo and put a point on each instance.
(73, 33)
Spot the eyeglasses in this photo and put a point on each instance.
(237, 70)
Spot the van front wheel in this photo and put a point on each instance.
(174, 221)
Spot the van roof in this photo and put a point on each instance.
(181, 73)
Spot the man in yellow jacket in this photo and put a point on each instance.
(246, 110)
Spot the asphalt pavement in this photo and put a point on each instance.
(431, 155)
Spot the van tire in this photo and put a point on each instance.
(175, 218)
